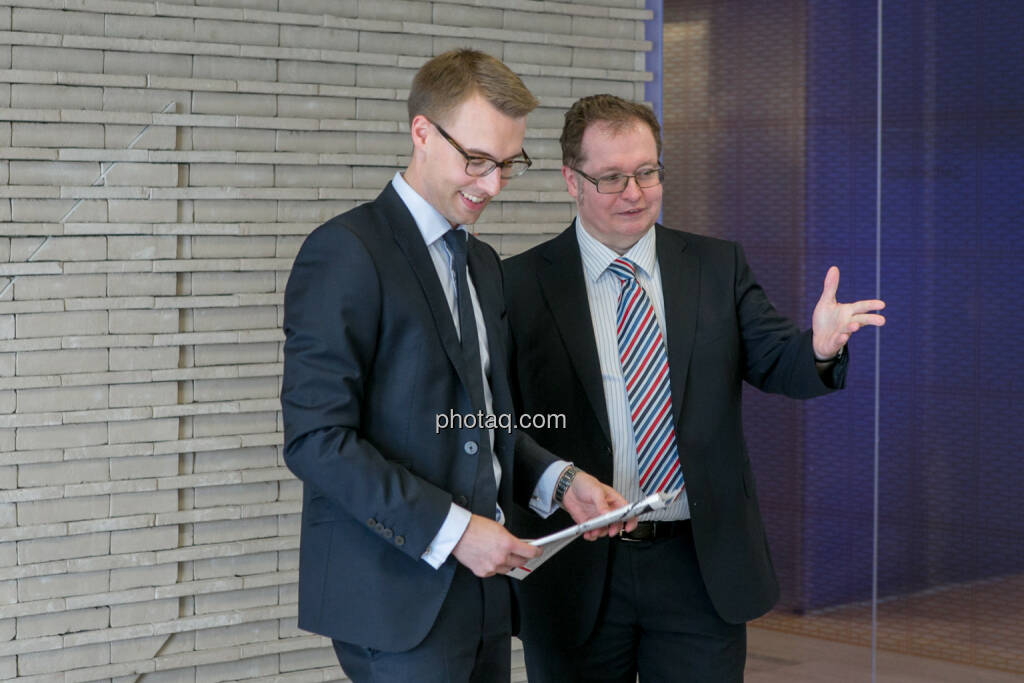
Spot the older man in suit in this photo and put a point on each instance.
(394, 316)
(642, 337)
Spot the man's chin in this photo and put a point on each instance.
(470, 217)
(635, 227)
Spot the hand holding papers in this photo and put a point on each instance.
(552, 543)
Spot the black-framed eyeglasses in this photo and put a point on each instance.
(478, 166)
(615, 183)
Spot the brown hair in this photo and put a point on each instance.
(450, 78)
(615, 111)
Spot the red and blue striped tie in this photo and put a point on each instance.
(645, 371)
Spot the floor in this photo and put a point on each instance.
(961, 633)
(779, 657)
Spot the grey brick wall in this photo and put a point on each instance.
(160, 162)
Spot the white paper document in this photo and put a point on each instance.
(552, 543)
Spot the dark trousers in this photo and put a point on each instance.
(471, 641)
(656, 620)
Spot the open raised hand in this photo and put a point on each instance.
(833, 323)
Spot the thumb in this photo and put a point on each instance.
(524, 549)
(831, 286)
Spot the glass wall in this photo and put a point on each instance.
(888, 140)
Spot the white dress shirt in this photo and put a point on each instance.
(433, 226)
(603, 295)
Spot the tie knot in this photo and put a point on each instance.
(623, 268)
(456, 241)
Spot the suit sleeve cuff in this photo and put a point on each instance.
(833, 371)
(543, 499)
(448, 537)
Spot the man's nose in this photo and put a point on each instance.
(492, 182)
(632, 190)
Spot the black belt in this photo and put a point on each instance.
(652, 531)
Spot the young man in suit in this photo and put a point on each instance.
(395, 318)
(641, 336)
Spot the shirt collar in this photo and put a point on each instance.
(597, 257)
(429, 220)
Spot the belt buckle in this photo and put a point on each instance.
(622, 536)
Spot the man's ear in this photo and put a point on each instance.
(571, 182)
(419, 129)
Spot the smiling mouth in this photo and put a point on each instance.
(473, 198)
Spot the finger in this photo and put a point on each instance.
(516, 561)
(866, 305)
(524, 550)
(831, 285)
(868, 319)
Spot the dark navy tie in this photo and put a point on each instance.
(485, 498)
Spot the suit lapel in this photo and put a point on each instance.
(410, 241)
(565, 290)
(680, 286)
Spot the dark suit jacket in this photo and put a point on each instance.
(721, 330)
(371, 356)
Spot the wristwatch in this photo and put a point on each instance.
(564, 482)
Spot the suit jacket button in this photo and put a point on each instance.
(471, 447)
(371, 522)
(379, 528)
(462, 501)
(388, 533)
(399, 540)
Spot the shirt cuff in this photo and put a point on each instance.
(448, 537)
(543, 499)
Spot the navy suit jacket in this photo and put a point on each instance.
(371, 357)
(721, 330)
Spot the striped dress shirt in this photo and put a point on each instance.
(603, 296)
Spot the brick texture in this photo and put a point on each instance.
(162, 163)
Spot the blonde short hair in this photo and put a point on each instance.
(449, 79)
